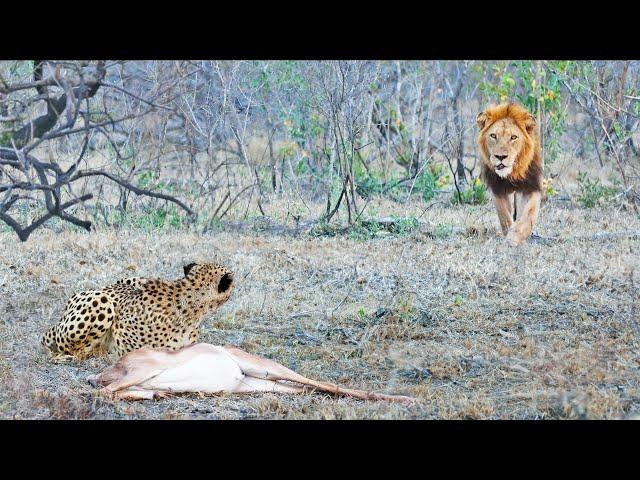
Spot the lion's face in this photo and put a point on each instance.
(507, 139)
(504, 142)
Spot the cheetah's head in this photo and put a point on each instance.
(215, 281)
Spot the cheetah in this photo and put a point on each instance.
(139, 312)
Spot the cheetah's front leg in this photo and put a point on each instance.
(63, 358)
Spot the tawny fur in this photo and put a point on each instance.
(207, 369)
(139, 312)
(512, 167)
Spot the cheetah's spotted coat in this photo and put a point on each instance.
(138, 312)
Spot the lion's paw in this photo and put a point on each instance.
(513, 239)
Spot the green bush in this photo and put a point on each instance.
(368, 186)
(149, 219)
(365, 231)
(431, 181)
(427, 184)
(5, 139)
(404, 225)
(474, 194)
(145, 179)
(369, 229)
(592, 192)
(443, 231)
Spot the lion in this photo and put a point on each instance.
(512, 167)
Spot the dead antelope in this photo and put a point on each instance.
(206, 369)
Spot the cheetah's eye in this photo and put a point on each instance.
(493, 135)
(513, 137)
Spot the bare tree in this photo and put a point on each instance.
(86, 141)
(50, 101)
(340, 88)
(604, 90)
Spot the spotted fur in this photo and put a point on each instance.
(139, 312)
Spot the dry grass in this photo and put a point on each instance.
(471, 327)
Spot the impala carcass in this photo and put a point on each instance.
(149, 373)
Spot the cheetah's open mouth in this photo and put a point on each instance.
(225, 282)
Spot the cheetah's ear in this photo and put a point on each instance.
(187, 268)
(225, 282)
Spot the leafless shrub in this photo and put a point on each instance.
(222, 139)
(608, 93)
(64, 105)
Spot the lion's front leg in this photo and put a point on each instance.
(505, 211)
(526, 220)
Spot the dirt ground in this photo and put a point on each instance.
(447, 313)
